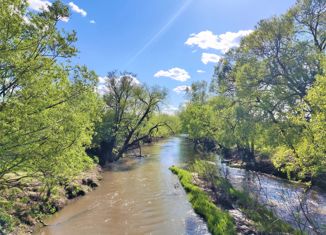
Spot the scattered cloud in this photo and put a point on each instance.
(39, 5)
(184, 104)
(180, 89)
(135, 81)
(210, 58)
(204, 40)
(64, 19)
(101, 87)
(77, 9)
(223, 42)
(169, 109)
(92, 21)
(174, 73)
(200, 71)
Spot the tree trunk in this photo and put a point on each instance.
(252, 151)
(107, 154)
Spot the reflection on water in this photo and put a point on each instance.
(141, 196)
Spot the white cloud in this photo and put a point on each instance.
(170, 109)
(223, 42)
(39, 5)
(174, 73)
(204, 40)
(76, 9)
(200, 71)
(180, 89)
(210, 58)
(92, 22)
(64, 19)
(135, 81)
(101, 87)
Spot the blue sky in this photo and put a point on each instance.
(170, 43)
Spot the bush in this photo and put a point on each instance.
(7, 222)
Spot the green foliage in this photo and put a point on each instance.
(206, 170)
(309, 157)
(7, 221)
(48, 107)
(269, 94)
(265, 221)
(128, 108)
(197, 121)
(198, 92)
(218, 221)
(172, 125)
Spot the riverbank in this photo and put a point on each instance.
(264, 165)
(136, 196)
(261, 163)
(24, 206)
(139, 196)
(236, 158)
(206, 189)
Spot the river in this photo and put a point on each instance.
(141, 196)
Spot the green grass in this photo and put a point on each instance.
(218, 221)
(264, 220)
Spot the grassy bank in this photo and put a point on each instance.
(215, 192)
(26, 204)
(218, 221)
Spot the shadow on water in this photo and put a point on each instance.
(125, 164)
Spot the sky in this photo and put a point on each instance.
(167, 43)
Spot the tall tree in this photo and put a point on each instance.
(267, 83)
(129, 105)
(47, 107)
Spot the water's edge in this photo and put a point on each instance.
(141, 195)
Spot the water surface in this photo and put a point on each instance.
(136, 196)
(141, 196)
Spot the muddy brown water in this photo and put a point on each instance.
(136, 196)
(141, 196)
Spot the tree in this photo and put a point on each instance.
(129, 105)
(311, 19)
(309, 160)
(47, 108)
(171, 125)
(198, 92)
(30, 43)
(263, 92)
